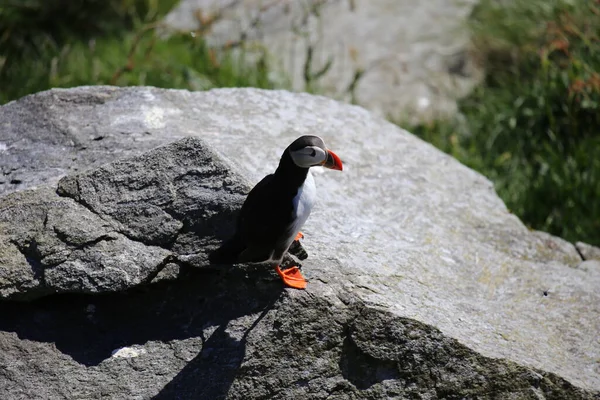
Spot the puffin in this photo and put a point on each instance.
(276, 209)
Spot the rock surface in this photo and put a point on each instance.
(422, 283)
(587, 251)
(402, 58)
(120, 225)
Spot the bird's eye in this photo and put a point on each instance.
(313, 153)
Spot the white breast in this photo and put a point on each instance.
(303, 202)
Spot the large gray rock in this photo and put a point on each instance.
(118, 226)
(404, 58)
(421, 282)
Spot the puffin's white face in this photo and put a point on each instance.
(309, 156)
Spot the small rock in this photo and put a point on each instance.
(128, 352)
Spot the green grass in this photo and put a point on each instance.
(60, 43)
(180, 61)
(533, 127)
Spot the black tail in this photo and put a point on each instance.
(228, 253)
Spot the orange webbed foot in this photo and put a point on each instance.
(299, 236)
(292, 277)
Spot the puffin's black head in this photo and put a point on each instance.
(309, 151)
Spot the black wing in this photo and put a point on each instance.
(265, 220)
(263, 226)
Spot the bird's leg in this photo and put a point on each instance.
(291, 277)
(297, 249)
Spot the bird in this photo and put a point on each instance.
(276, 209)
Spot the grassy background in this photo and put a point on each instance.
(533, 126)
(65, 43)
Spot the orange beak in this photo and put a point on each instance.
(332, 161)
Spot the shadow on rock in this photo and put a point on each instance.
(89, 328)
(210, 374)
(362, 370)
